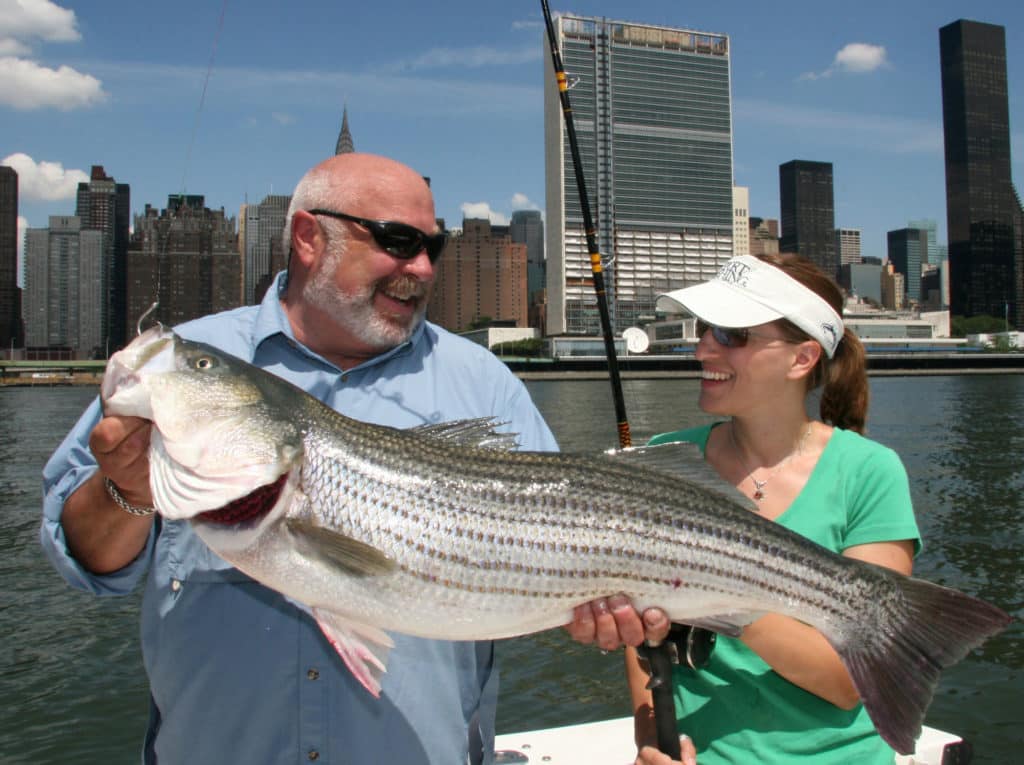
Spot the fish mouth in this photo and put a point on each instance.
(253, 505)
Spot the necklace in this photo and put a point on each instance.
(759, 485)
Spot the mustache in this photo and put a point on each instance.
(404, 287)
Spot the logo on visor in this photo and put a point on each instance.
(734, 272)
(830, 330)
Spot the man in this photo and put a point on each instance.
(237, 673)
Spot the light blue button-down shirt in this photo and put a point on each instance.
(239, 675)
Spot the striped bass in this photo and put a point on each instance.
(443, 532)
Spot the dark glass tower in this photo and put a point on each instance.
(985, 258)
(908, 249)
(104, 205)
(10, 301)
(808, 213)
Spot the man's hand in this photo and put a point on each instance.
(121, 448)
(613, 622)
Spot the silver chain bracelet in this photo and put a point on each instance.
(124, 504)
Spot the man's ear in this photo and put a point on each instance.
(808, 354)
(307, 238)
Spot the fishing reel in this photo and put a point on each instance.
(687, 646)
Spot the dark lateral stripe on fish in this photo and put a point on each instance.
(817, 581)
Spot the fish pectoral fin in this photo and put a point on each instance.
(352, 556)
(479, 432)
(680, 459)
(363, 647)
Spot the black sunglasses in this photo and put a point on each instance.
(731, 337)
(400, 240)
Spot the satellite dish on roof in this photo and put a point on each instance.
(636, 340)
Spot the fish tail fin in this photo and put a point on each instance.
(895, 666)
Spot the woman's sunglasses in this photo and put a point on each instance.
(731, 337)
(400, 240)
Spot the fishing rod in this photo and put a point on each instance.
(658, 657)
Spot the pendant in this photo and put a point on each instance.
(758, 488)
(758, 495)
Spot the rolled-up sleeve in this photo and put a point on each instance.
(70, 466)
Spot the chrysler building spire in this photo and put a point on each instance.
(345, 145)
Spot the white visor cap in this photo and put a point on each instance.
(747, 292)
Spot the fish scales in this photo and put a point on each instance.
(475, 498)
(442, 532)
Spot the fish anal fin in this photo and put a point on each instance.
(362, 647)
(352, 556)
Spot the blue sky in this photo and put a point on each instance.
(455, 90)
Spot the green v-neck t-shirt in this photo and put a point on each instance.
(738, 709)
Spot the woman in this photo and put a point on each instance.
(770, 331)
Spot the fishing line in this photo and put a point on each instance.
(202, 96)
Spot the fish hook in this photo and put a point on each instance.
(138, 326)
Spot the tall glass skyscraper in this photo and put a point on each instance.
(807, 212)
(983, 214)
(105, 205)
(10, 302)
(652, 111)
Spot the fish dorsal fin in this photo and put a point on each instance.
(681, 459)
(350, 555)
(479, 432)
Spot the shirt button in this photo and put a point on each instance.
(312, 674)
(313, 754)
(344, 378)
(175, 585)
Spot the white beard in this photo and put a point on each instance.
(354, 312)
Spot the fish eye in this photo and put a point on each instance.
(204, 362)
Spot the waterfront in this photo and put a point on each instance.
(71, 672)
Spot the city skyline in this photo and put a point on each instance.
(859, 89)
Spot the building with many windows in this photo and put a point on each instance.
(481, 275)
(263, 250)
(848, 242)
(10, 295)
(652, 111)
(740, 220)
(983, 213)
(64, 297)
(807, 213)
(908, 250)
(186, 259)
(102, 204)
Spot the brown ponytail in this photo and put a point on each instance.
(844, 377)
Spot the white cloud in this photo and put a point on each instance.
(27, 85)
(877, 132)
(469, 58)
(281, 118)
(36, 19)
(523, 202)
(860, 57)
(46, 181)
(853, 58)
(483, 210)
(11, 47)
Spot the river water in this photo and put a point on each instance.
(71, 680)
